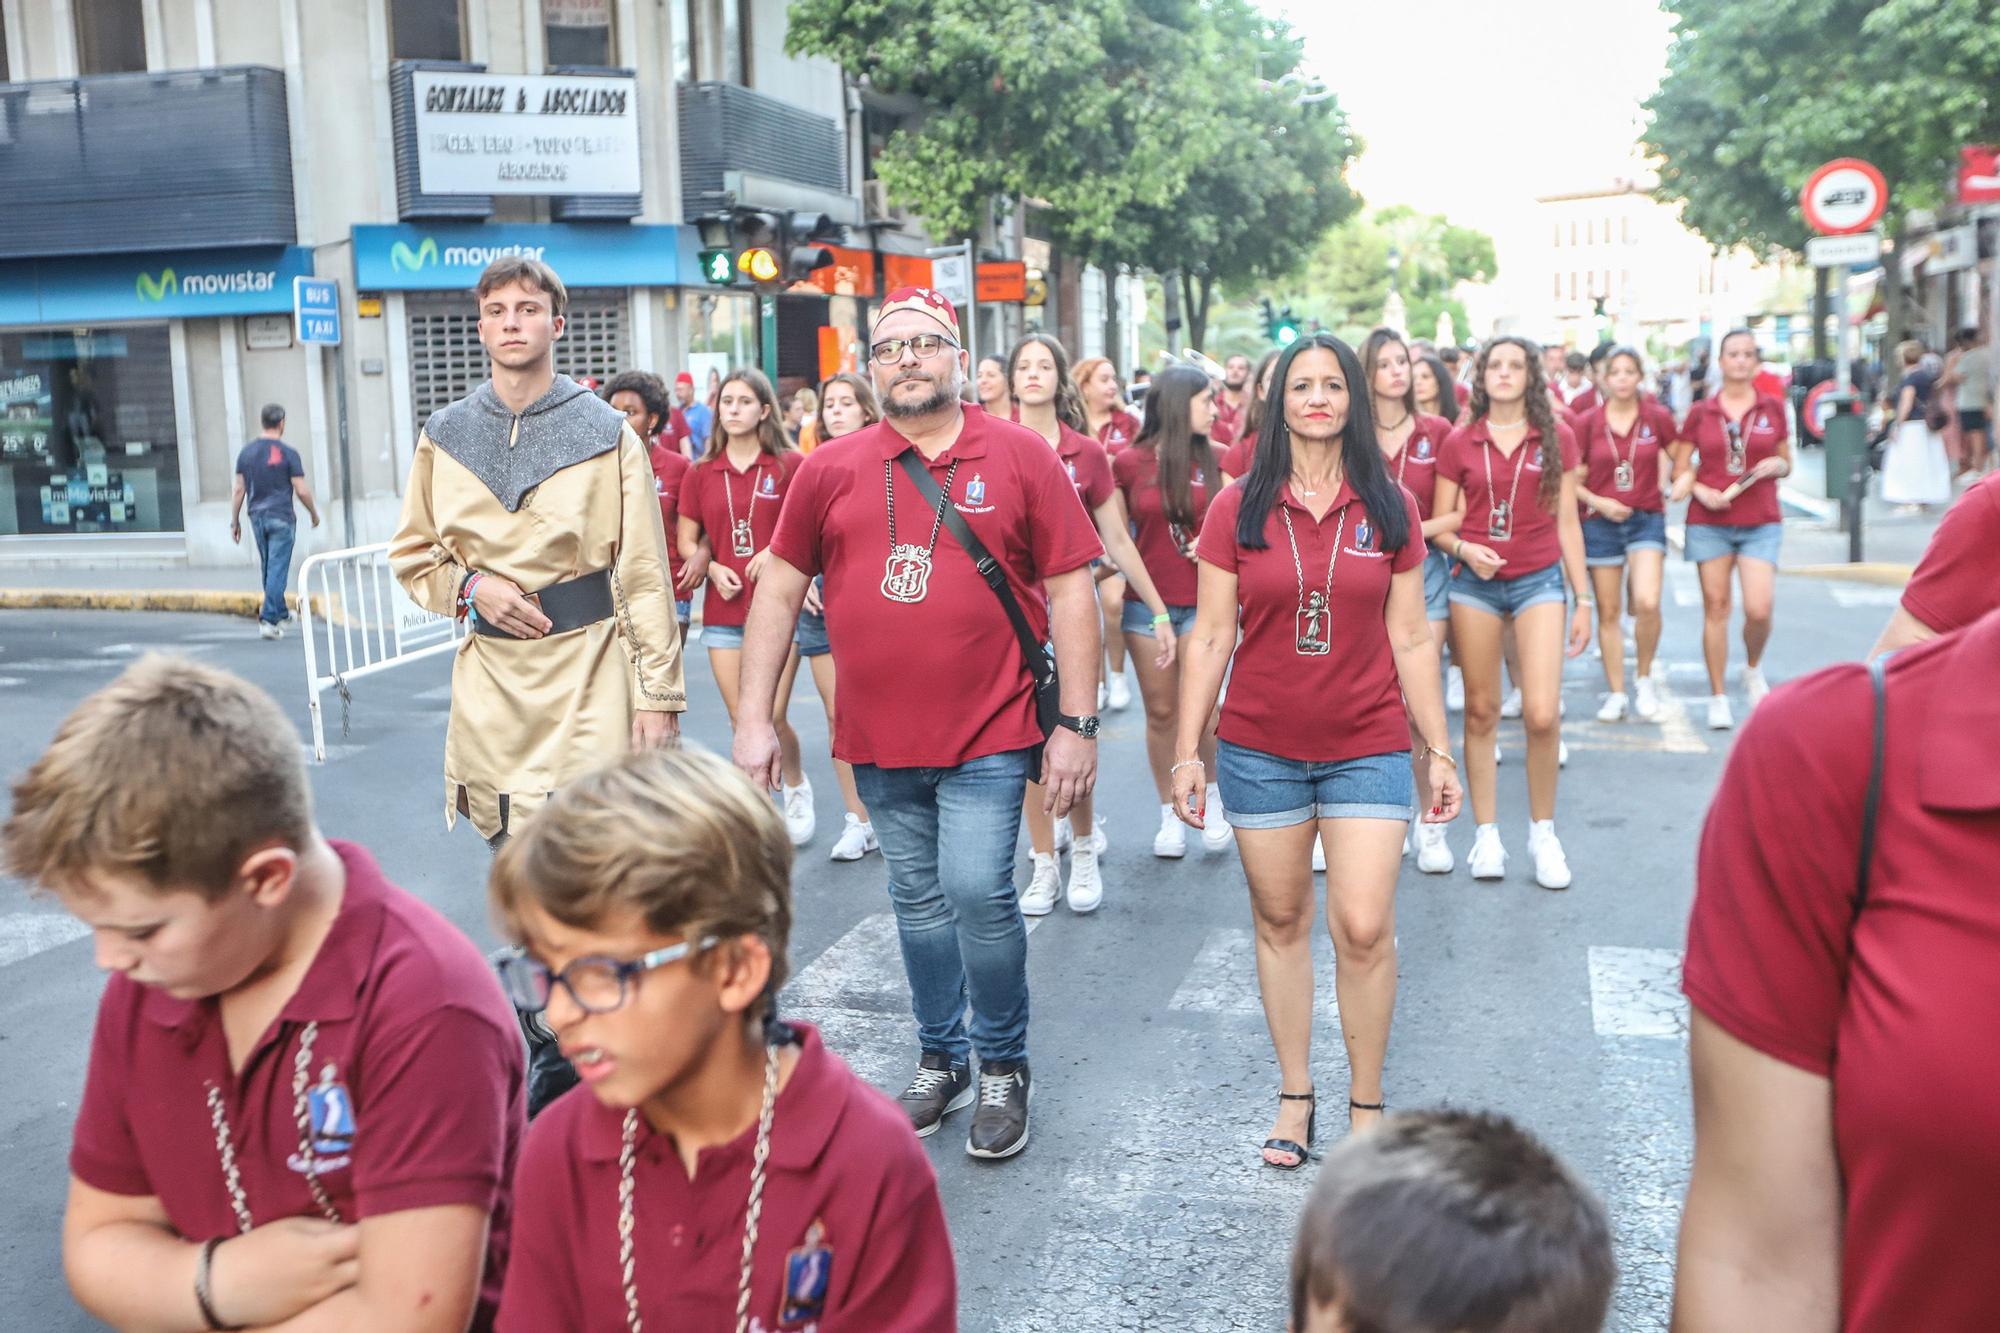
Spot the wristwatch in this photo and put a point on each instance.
(1085, 727)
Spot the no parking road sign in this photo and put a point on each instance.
(1844, 196)
(316, 310)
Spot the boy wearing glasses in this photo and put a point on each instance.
(304, 1092)
(725, 1170)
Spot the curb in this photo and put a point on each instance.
(245, 604)
(1879, 573)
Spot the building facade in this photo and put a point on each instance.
(175, 164)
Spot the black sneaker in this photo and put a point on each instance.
(940, 1087)
(1000, 1125)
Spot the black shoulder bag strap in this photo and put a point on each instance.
(1041, 666)
(1872, 807)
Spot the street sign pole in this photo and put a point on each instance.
(962, 252)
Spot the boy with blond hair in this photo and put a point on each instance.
(303, 1100)
(722, 1169)
(1449, 1222)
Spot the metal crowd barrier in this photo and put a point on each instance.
(357, 620)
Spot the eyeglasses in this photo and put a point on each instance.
(925, 345)
(598, 984)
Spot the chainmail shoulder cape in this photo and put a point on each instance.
(568, 424)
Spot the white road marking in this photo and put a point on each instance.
(1684, 582)
(25, 934)
(1851, 595)
(1223, 978)
(1677, 731)
(6, 681)
(1636, 993)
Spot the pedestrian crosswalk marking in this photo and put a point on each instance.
(25, 934)
(1636, 993)
(1851, 595)
(1223, 978)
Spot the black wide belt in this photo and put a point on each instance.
(571, 604)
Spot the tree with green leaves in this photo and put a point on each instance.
(1757, 96)
(1344, 283)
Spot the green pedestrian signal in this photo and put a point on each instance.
(718, 267)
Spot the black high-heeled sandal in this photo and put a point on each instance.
(1353, 1106)
(1302, 1152)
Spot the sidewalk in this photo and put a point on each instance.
(232, 592)
(1891, 543)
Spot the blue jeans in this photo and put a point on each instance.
(274, 547)
(956, 914)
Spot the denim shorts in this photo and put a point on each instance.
(684, 611)
(1605, 543)
(1754, 541)
(722, 636)
(1136, 619)
(1437, 585)
(1508, 597)
(1262, 790)
(811, 635)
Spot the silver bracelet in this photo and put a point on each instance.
(1183, 764)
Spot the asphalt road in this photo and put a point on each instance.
(1140, 1203)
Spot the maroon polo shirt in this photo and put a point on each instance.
(844, 1170)
(1903, 1022)
(1238, 457)
(1088, 466)
(1580, 401)
(416, 1046)
(933, 683)
(1764, 430)
(1118, 432)
(1166, 548)
(1603, 448)
(1468, 453)
(1415, 464)
(1347, 702)
(713, 492)
(1228, 424)
(670, 469)
(1957, 581)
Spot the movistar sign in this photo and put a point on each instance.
(451, 257)
(178, 284)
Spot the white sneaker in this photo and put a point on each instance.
(1454, 690)
(1119, 695)
(1406, 842)
(1488, 859)
(1511, 705)
(1551, 866)
(1719, 716)
(1171, 840)
(857, 839)
(799, 818)
(1755, 687)
(1499, 755)
(1103, 694)
(1433, 852)
(1066, 836)
(1319, 856)
(1215, 832)
(1562, 753)
(267, 630)
(1086, 886)
(1615, 708)
(1647, 706)
(1044, 888)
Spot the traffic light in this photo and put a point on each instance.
(718, 267)
(757, 240)
(1285, 329)
(807, 237)
(1270, 320)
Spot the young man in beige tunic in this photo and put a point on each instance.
(532, 511)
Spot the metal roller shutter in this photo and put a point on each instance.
(447, 361)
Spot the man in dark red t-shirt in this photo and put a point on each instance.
(937, 711)
(1955, 583)
(1231, 402)
(304, 1097)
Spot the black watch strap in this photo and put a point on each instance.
(1085, 726)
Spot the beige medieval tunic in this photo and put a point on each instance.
(529, 715)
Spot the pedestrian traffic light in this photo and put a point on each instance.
(1285, 329)
(1270, 320)
(718, 267)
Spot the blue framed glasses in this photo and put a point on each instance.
(597, 983)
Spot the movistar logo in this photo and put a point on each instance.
(151, 288)
(402, 257)
(170, 283)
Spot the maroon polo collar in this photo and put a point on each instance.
(971, 441)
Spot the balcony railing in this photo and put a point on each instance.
(178, 159)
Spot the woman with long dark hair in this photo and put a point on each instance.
(1046, 401)
(1107, 420)
(1733, 447)
(1411, 441)
(1236, 458)
(642, 397)
(1511, 473)
(1318, 554)
(1168, 478)
(732, 498)
(990, 385)
(1431, 381)
(1626, 441)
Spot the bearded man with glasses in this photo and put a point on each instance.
(938, 707)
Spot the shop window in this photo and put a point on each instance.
(447, 361)
(726, 326)
(110, 36)
(88, 442)
(578, 32)
(735, 35)
(426, 30)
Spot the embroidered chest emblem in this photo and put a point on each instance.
(975, 490)
(331, 1111)
(808, 1270)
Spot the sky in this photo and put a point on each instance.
(1473, 109)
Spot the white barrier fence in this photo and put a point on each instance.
(358, 621)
